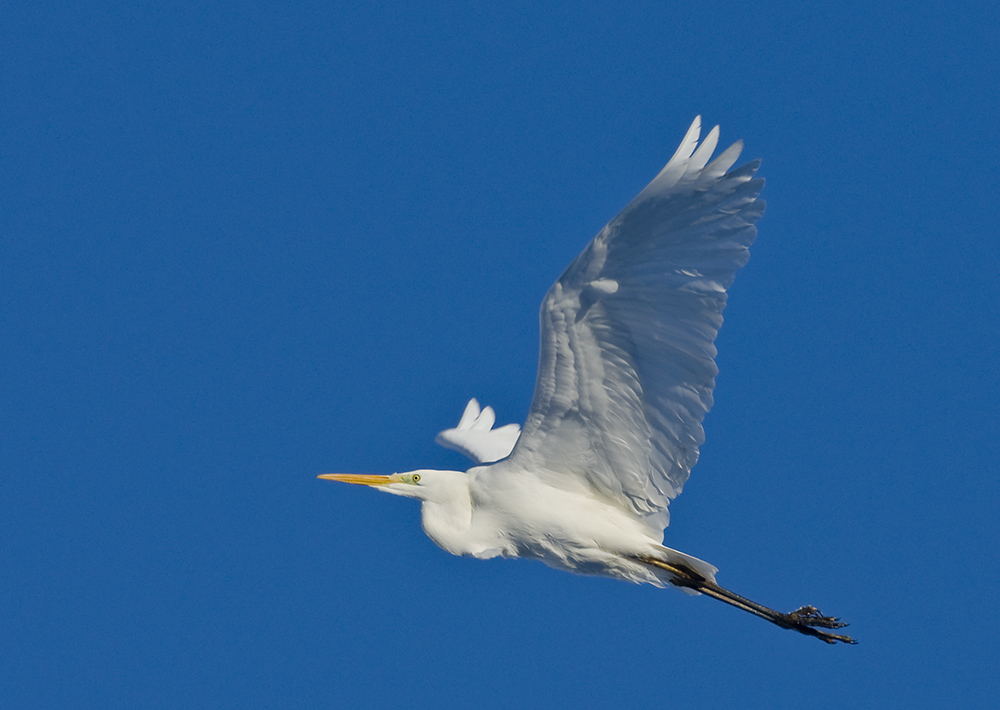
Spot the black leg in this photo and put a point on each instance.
(804, 620)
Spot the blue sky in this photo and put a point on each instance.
(242, 246)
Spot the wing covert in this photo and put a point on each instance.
(626, 364)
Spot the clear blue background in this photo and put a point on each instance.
(244, 244)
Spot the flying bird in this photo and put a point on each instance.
(625, 378)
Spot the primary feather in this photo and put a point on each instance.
(475, 436)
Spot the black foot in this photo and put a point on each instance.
(807, 618)
(811, 616)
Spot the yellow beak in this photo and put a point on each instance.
(358, 478)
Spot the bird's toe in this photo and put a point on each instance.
(811, 616)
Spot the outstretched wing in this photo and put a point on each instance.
(627, 368)
(475, 436)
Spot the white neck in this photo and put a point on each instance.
(446, 511)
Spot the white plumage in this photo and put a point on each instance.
(625, 378)
(475, 437)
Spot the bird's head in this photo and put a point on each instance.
(425, 484)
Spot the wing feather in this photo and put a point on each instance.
(475, 437)
(626, 365)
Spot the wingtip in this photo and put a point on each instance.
(470, 414)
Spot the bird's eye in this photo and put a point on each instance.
(416, 478)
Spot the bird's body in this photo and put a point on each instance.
(625, 378)
(488, 513)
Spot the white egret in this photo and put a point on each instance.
(625, 377)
